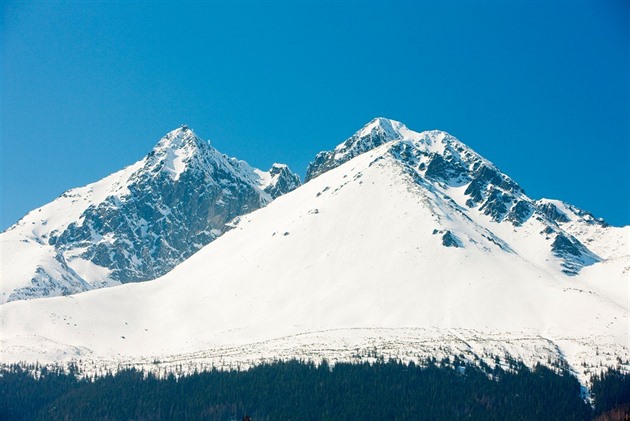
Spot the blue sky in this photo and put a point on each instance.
(539, 88)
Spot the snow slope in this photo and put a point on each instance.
(370, 257)
(136, 224)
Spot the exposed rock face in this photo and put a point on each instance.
(574, 254)
(282, 181)
(154, 216)
(435, 158)
(374, 134)
(450, 240)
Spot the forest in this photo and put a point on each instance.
(293, 390)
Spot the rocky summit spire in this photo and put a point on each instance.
(375, 133)
(137, 224)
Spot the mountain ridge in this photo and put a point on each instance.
(137, 223)
(372, 252)
(438, 156)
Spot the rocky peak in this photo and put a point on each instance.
(384, 128)
(441, 161)
(175, 151)
(139, 223)
(374, 134)
(281, 180)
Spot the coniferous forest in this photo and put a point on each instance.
(305, 391)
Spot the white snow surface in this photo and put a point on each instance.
(346, 263)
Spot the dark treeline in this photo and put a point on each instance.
(612, 395)
(304, 391)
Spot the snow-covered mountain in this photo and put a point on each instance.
(442, 162)
(136, 224)
(402, 245)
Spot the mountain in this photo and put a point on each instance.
(442, 162)
(137, 224)
(401, 245)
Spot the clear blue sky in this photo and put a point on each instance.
(539, 88)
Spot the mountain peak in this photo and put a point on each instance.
(138, 223)
(390, 128)
(176, 139)
(377, 132)
(175, 150)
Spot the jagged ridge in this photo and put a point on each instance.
(436, 158)
(373, 254)
(143, 221)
